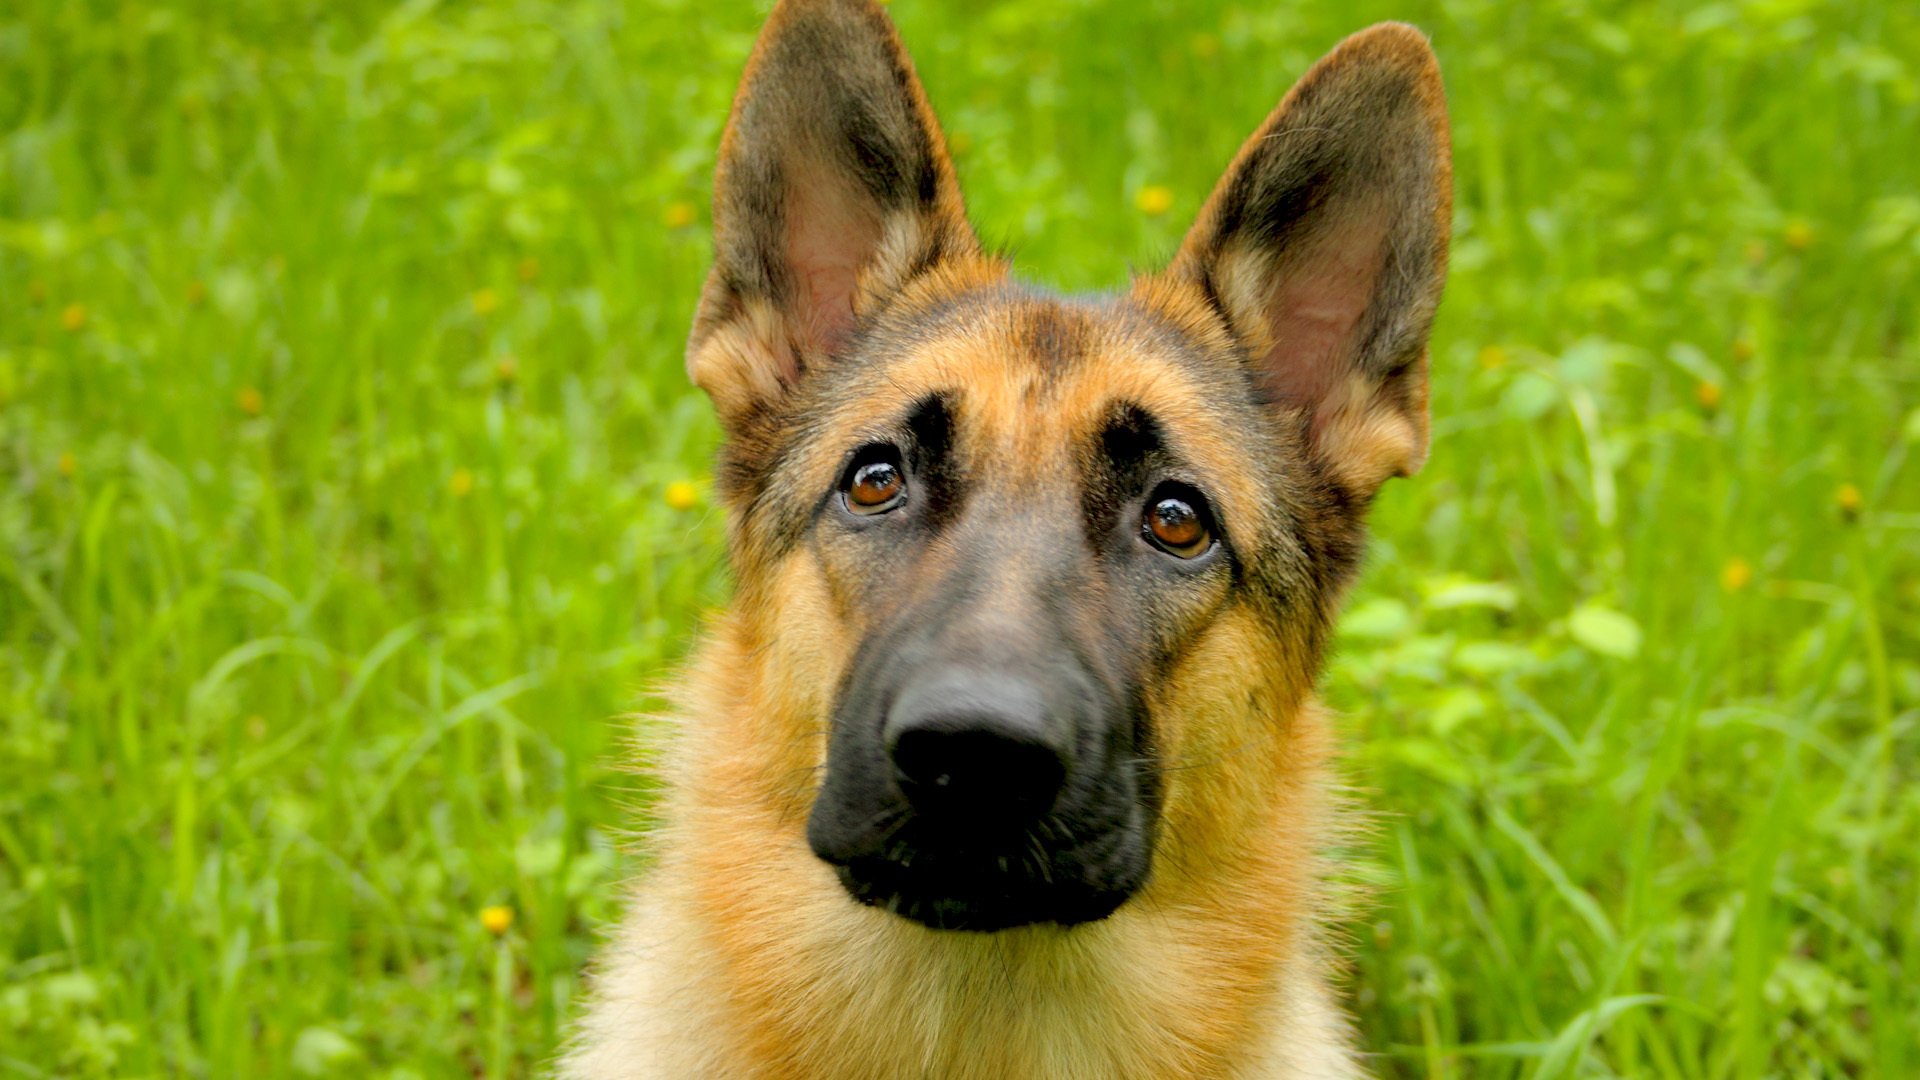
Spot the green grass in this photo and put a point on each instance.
(340, 386)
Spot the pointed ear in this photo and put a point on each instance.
(1325, 246)
(833, 190)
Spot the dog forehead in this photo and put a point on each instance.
(1032, 380)
(1028, 368)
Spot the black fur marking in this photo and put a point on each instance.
(1273, 202)
(938, 484)
(1115, 476)
(877, 159)
(1053, 336)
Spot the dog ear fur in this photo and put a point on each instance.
(833, 190)
(1324, 246)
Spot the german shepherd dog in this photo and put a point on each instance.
(1005, 761)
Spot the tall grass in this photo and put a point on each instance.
(340, 400)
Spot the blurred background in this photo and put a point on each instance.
(351, 489)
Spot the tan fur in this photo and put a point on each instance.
(767, 969)
(741, 955)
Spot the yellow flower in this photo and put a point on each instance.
(1492, 356)
(528, 270)
(506, 369)
(73, 318)
(249, 400)
(461, 483)
(497, 918)
(1798, 235)
(1736, 575)
(1847, 498)
(1154, 199)
(1708, 394)
(677, 215)
(682, 495)
(66, 464)
(485, 302)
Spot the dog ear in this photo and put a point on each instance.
(832, 191)
(1325, 247)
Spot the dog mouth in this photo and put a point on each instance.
(986, 796)
(1049, 872)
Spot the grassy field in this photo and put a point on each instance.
(350, 487)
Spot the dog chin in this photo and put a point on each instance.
(984, 895)
(986, 906)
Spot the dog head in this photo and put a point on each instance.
(1039, 582)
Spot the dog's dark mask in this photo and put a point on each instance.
(990, 762)
(971, 785)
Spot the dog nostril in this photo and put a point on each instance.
(973, 744)
(952, 765)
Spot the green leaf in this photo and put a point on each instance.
(1454, 591)
(1485, 658)
(1585, 363)
(1572, 1041)
(1605, 631)
(1691, 359)
(1378, 619)
(1529, 396)
(322, 1052)
(1456, 707)
(1429, 756)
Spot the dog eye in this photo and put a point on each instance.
(1176, 523)
(875, 483)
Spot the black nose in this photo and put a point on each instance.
(972, 745)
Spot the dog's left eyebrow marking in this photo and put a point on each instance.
(930, 423)
(1130, 436)
(1116, 463)
(930, 431)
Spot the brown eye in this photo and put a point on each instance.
(875, 487)
(1174, 525)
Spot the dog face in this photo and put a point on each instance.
(1039, 579)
